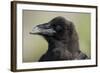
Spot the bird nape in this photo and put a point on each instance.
(62, 38)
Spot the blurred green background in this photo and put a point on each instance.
(34, 46)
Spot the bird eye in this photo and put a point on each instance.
(58, 27)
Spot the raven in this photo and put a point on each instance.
(62, 38)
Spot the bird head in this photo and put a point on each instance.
(52, 28)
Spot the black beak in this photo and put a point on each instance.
(35, 30)
(43, 29)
